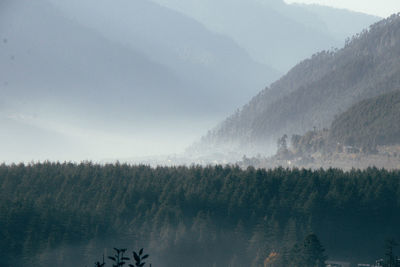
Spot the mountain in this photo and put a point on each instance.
(121, 68)
(214, 66)
(313, 92)
(340, 23)
(273, 32)
(367, 125)
(365, 135)
(46, 56)
(374, 121)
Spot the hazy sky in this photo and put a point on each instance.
(381, 8)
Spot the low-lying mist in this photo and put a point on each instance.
(59, 137)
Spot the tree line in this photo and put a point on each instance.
(192, 216)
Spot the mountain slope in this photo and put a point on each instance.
(374, 121)
(365, 135)
(213, 66)
(268, 30)
(44, 55)
(314, 91)
(81, 67)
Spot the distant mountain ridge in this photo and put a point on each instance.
(135, 53)
(313, 92)
(126, 77)
(130, 68)
(273, 32)
(212, 65)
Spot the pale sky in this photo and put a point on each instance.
(382, 8)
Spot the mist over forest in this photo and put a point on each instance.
(223, 133)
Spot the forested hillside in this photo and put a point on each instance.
(364, 126)
(367, 134)
(369, 123)
(54, 214)
(313, 92)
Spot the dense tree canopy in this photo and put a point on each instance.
(196, 216)
(371, 122)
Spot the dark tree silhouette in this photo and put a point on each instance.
(120, 260)
(139, 257)
(313, 253)
(390, 260)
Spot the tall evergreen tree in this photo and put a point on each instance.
(313, 252)
(390, 260)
